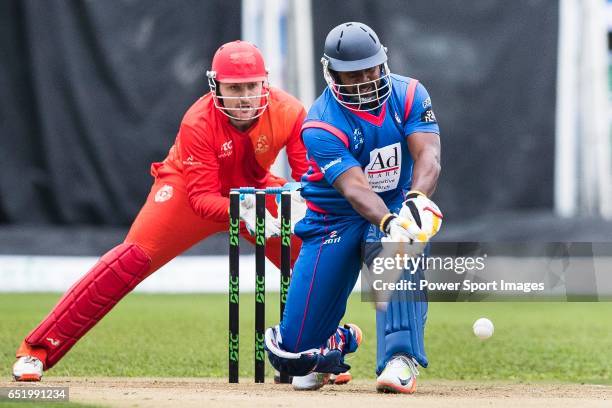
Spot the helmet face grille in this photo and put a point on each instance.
(264, 100)
(350, 47)
(238, 62)
(352, 97)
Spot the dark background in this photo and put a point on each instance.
(490, 69)
(92, 92)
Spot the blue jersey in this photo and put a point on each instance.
(337, 139)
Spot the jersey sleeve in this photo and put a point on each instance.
(296, 152)
(201, 172)
(329, 153)
(421, 117)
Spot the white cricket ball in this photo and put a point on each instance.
(483, 328)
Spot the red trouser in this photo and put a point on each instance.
(165, 227)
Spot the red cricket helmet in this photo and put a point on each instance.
(238, 62)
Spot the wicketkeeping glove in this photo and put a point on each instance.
(247, 214)
(298, 204)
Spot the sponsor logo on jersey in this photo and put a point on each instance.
(397, 118)
(428, 116)
(385, 167)
(333, 238)
(357, 138)
(330, 164)
(426, 103)
(164, 193)
(226, 149)
(190, 161)
(262, 144)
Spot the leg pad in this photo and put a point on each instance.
(89, 300)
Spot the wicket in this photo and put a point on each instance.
(260, 273)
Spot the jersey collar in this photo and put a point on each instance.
(376, 120)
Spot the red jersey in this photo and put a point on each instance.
(213, 156)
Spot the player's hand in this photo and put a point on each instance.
(400, 229)
(247, 214)
(423, 212)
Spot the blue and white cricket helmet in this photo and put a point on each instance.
(354, 46)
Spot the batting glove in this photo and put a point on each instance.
(423, 212)
(400, 229)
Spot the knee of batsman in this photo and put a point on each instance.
(331, 362)
(302, 363)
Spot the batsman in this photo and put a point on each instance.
(373, 147)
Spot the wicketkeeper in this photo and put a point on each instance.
(228, 138)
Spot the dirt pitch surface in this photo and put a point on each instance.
(201, 392)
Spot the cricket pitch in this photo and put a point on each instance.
(208, 392)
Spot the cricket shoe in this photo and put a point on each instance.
(27, 368)
(340, 379)
(399, 375)
(310, 382)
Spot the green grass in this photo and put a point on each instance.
(186, 336)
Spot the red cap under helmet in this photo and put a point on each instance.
(238, 61)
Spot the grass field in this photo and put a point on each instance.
(186, 336)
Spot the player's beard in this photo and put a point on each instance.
(367, 97)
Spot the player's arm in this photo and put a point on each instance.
(204, 186)
(353, 185)
(344, 173)
(425, 151)
(423, 137)
(202, 175)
